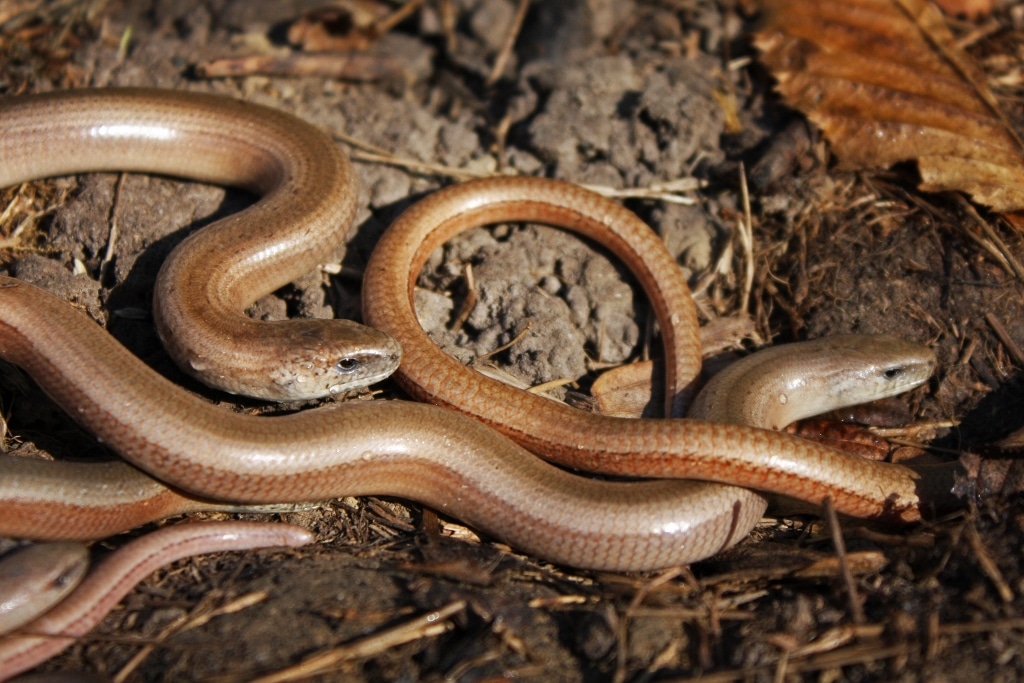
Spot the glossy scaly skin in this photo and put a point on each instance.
(113, 578)
(308, 199)
(810, 373)
(435, 456)
(674, 448)
(34, 578)
(779, 385)
(410, 450)
(421, 452)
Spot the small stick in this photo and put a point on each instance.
(988, 565)
(510, 41)
(108, 254)
(424, 626)
(746, 235)
(469, 303)
(1004, 337)
(397, 17)
(844, 567)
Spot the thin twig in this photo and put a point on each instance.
(1005, 338)
(510, 42)
(448, 25)
(397, 17)
(13, 241)
(188, 622)
(1003, 250)
(844, 566)
(108, 254)
(638, 599)
(419, 166)
(746, 235)
(988, 565)
(424, 626)
(665, 191)
(545, 387)
(469, 303)
(495, 352)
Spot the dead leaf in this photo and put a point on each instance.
(886, 83)
(972, 9)
(841, 436)
(341, 27)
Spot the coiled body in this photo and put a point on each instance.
(711, 451)
(308, 199)
(446, 459)
(107, 583)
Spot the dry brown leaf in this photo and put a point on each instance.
(972, 9)
(332, 28)
(886, 83)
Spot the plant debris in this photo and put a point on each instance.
(886, 83)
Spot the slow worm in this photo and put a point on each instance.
(860, 372)
(436, 456)
(35, 577)
(308, 199)
(779, 385)
(415, 451)
(112, 579)
(675, 448)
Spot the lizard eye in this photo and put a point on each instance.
(346, 365)
(893, 373)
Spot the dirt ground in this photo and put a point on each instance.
(614, 94)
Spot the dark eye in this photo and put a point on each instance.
(892, 373)
(347, 365)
